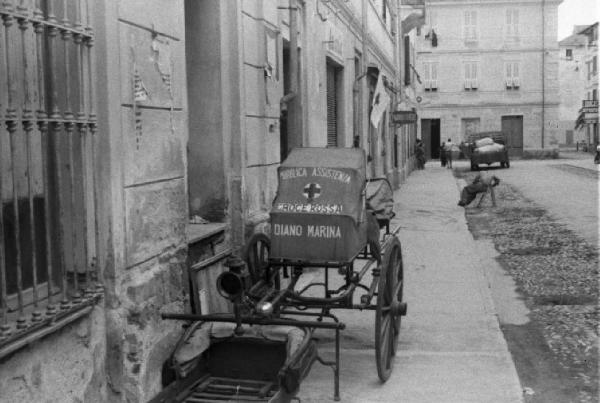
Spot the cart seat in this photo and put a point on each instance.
(275, 357)
(380, 200)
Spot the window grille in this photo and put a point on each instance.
(48, 233)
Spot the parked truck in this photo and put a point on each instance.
(486, 148)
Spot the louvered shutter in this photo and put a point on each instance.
(332, 140)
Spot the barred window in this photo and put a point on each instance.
(48, 238)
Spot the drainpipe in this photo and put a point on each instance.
(365, 93)
(543, 70)
(293, 105)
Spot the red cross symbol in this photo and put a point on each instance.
(312, 191)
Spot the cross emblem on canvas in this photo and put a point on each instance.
(312, 191)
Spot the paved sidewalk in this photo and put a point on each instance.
(451, 348)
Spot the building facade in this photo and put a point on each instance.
(487, 66)
(588, 114)
(572, 75)
(139, 146)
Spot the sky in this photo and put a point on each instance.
(576, 12)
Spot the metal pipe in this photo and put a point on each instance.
(12, 128)
(336, 369)
(52, 34)
(66, 35)
(293, 103)
(28, 125)
(56, 128)
(4, 328)
(543, 70)
(43, 128)
(69, 126)
(253, 321)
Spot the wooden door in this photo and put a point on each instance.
(512, 127)
(426, 131)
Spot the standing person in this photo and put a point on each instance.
(448, 151)
(443, 155)
(420, 154)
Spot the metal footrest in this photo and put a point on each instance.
(215, 389)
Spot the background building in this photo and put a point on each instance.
(588, 116)
(572, 75)
(490, 66)
(139, 146)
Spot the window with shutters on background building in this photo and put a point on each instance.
(470, 26)
(512, 24)
(471, 82)
(511, 76)
(48, 241)
(569, 54)
(430, 79)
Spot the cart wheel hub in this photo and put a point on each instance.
(398, 308)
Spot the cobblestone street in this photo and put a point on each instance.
(555, 269)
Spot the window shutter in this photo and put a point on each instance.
(433, 75)
(467, 68)
(426, 76)
(515, 22)
(466, 24)
(474, 83)
(332, 140)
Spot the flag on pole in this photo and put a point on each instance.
(381, 100)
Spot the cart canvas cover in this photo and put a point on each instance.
(319, 211)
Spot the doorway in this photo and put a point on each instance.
(430, 134)
(512, 127)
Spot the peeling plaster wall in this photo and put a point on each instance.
(147, 131)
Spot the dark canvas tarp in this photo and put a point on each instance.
(328, 181)
(319, 211)
(380, 199)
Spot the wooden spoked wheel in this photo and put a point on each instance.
(257, 257)
(389, 309)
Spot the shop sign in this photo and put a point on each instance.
(404, 117)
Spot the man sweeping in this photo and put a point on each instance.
(481, 184)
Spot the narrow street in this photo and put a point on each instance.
(543, 236)
(451, 348)
(470, 335)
